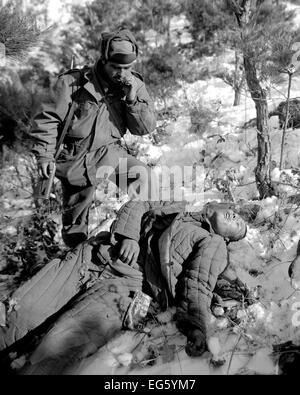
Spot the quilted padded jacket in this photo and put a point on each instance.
(180, 255)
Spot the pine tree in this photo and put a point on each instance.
(266, 38)
(18, 35)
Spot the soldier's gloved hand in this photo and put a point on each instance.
(129, 251)
(129, 85)
(45, 169)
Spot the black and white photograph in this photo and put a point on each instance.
(149, 190)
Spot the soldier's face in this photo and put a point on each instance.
(117, 72)
(228, 224)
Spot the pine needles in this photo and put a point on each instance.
(18, 33)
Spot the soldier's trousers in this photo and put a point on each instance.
(129, 174)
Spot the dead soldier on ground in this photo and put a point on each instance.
(178, 258)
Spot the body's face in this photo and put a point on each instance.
(117, 73)
(228, 224)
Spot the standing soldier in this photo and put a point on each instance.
(107, 99)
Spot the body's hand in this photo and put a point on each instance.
(129, 85)
(129, 251)
(45, 169)
(196, 343)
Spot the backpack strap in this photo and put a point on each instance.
(67, 123)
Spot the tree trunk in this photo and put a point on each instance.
(259, 96)
(237, 96)
(245, 12)
(239, 78)
(287, 117)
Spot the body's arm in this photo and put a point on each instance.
(127, 227)
(195, 289)
(128, 223)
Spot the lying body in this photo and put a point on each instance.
(179, 257)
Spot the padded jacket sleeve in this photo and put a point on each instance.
(197, 281)
(129, 220)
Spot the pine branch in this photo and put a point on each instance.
(18, 32)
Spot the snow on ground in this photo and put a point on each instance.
(268, 249)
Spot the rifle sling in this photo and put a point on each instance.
(65, 129)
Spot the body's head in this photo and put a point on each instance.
(225, 221)
(118, 53)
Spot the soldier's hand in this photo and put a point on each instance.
(129, 86)
(45, 169)
(129, 251)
